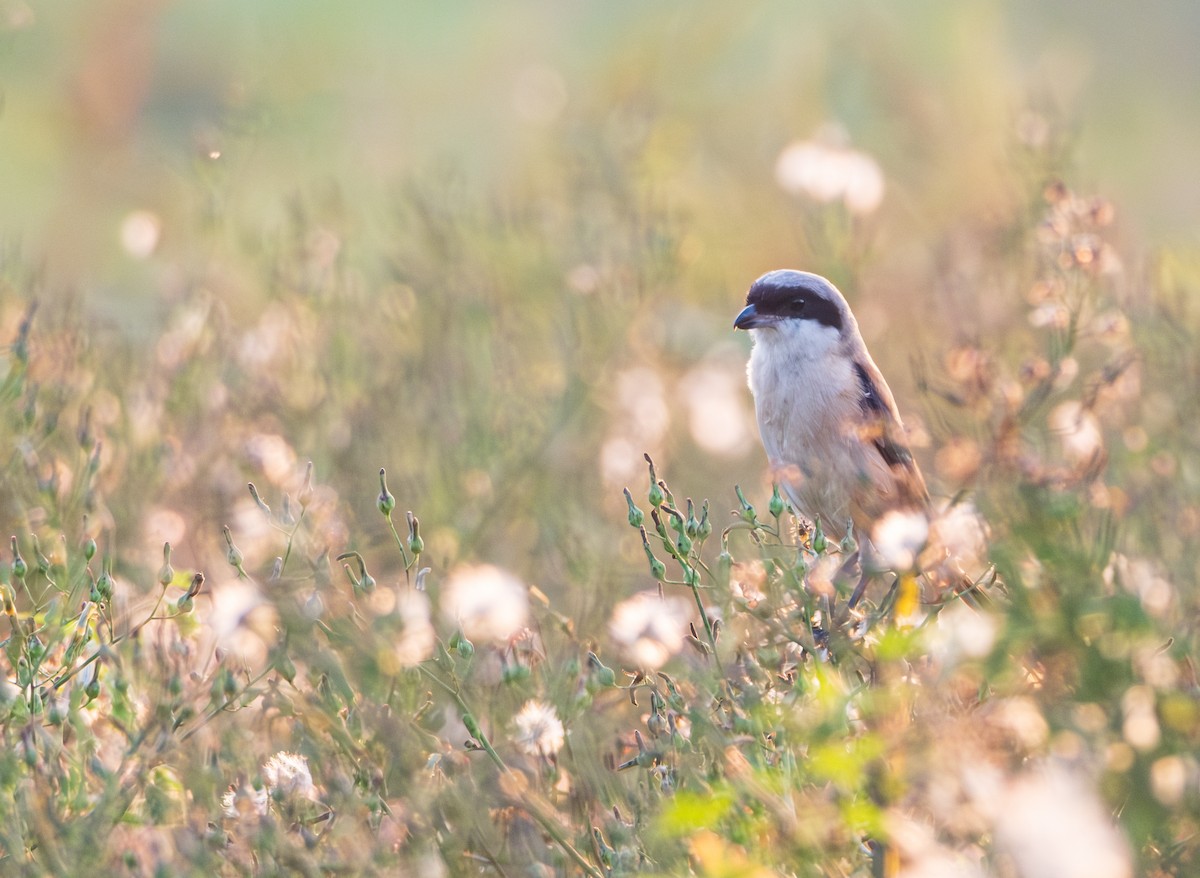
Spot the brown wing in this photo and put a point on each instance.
(896, 479)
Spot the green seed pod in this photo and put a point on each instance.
(89, 549)
(185, 604)
(104, 585)
(636, 516)
(385, 501)
(747, 511)
(43, 562)
(848, 544)
(258, 501)
(606, 676)
(19, 567)
(166, 573)
(306, 492)
(233, 554)
(416, 545)
(656, 496)
(683, 545)
(776, 506)
(819, 543)
(704, 526)
(464, 647)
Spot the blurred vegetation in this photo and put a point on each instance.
(496, 251)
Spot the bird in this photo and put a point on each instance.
(827, 418)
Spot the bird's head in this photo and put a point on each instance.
(796, 308)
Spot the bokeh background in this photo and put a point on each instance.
(497, 248)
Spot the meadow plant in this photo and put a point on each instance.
(323, 695)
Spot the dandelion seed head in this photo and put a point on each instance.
(487, 603)
(286, 774)
(539, 731)
(650, 629)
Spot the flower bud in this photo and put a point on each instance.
(704, 526)
(656, 495)
(306, 492)
(89, 549)
(691, 527)
(258, 501)
(43, 562)
(636, 516)
(776, 506)
(104, 584)
(416, 545)
(233, 554)
(819, 543)
(386, 501)
(597, 667)
(747, 511)
(19, 567)
(166, 573)
(848, 543)
(683, 545)
(657, 569)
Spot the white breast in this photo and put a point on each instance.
(807, 400)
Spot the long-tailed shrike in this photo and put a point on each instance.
(827, 418)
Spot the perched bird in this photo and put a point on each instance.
(826, 416)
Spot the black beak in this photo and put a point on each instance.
(751, 319)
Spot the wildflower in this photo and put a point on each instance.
(539, 730)
(962, 632)
(287, 774)
(898, 536)
(826, 170)
(487, 603)
(1051, 825)
(1078, 430)
(716, 414)
(960, 532)
(417, 637)
(649, 628)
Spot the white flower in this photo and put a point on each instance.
(539, 730)
(962, 534)
(244, 801)
(487, 603)
(417, 637)
(650, 628)
(826, 170)
(287, 774)
(899, 536)
(1078, 430)
(1050, 825)
(962, 632)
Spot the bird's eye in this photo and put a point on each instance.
(798, 304)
